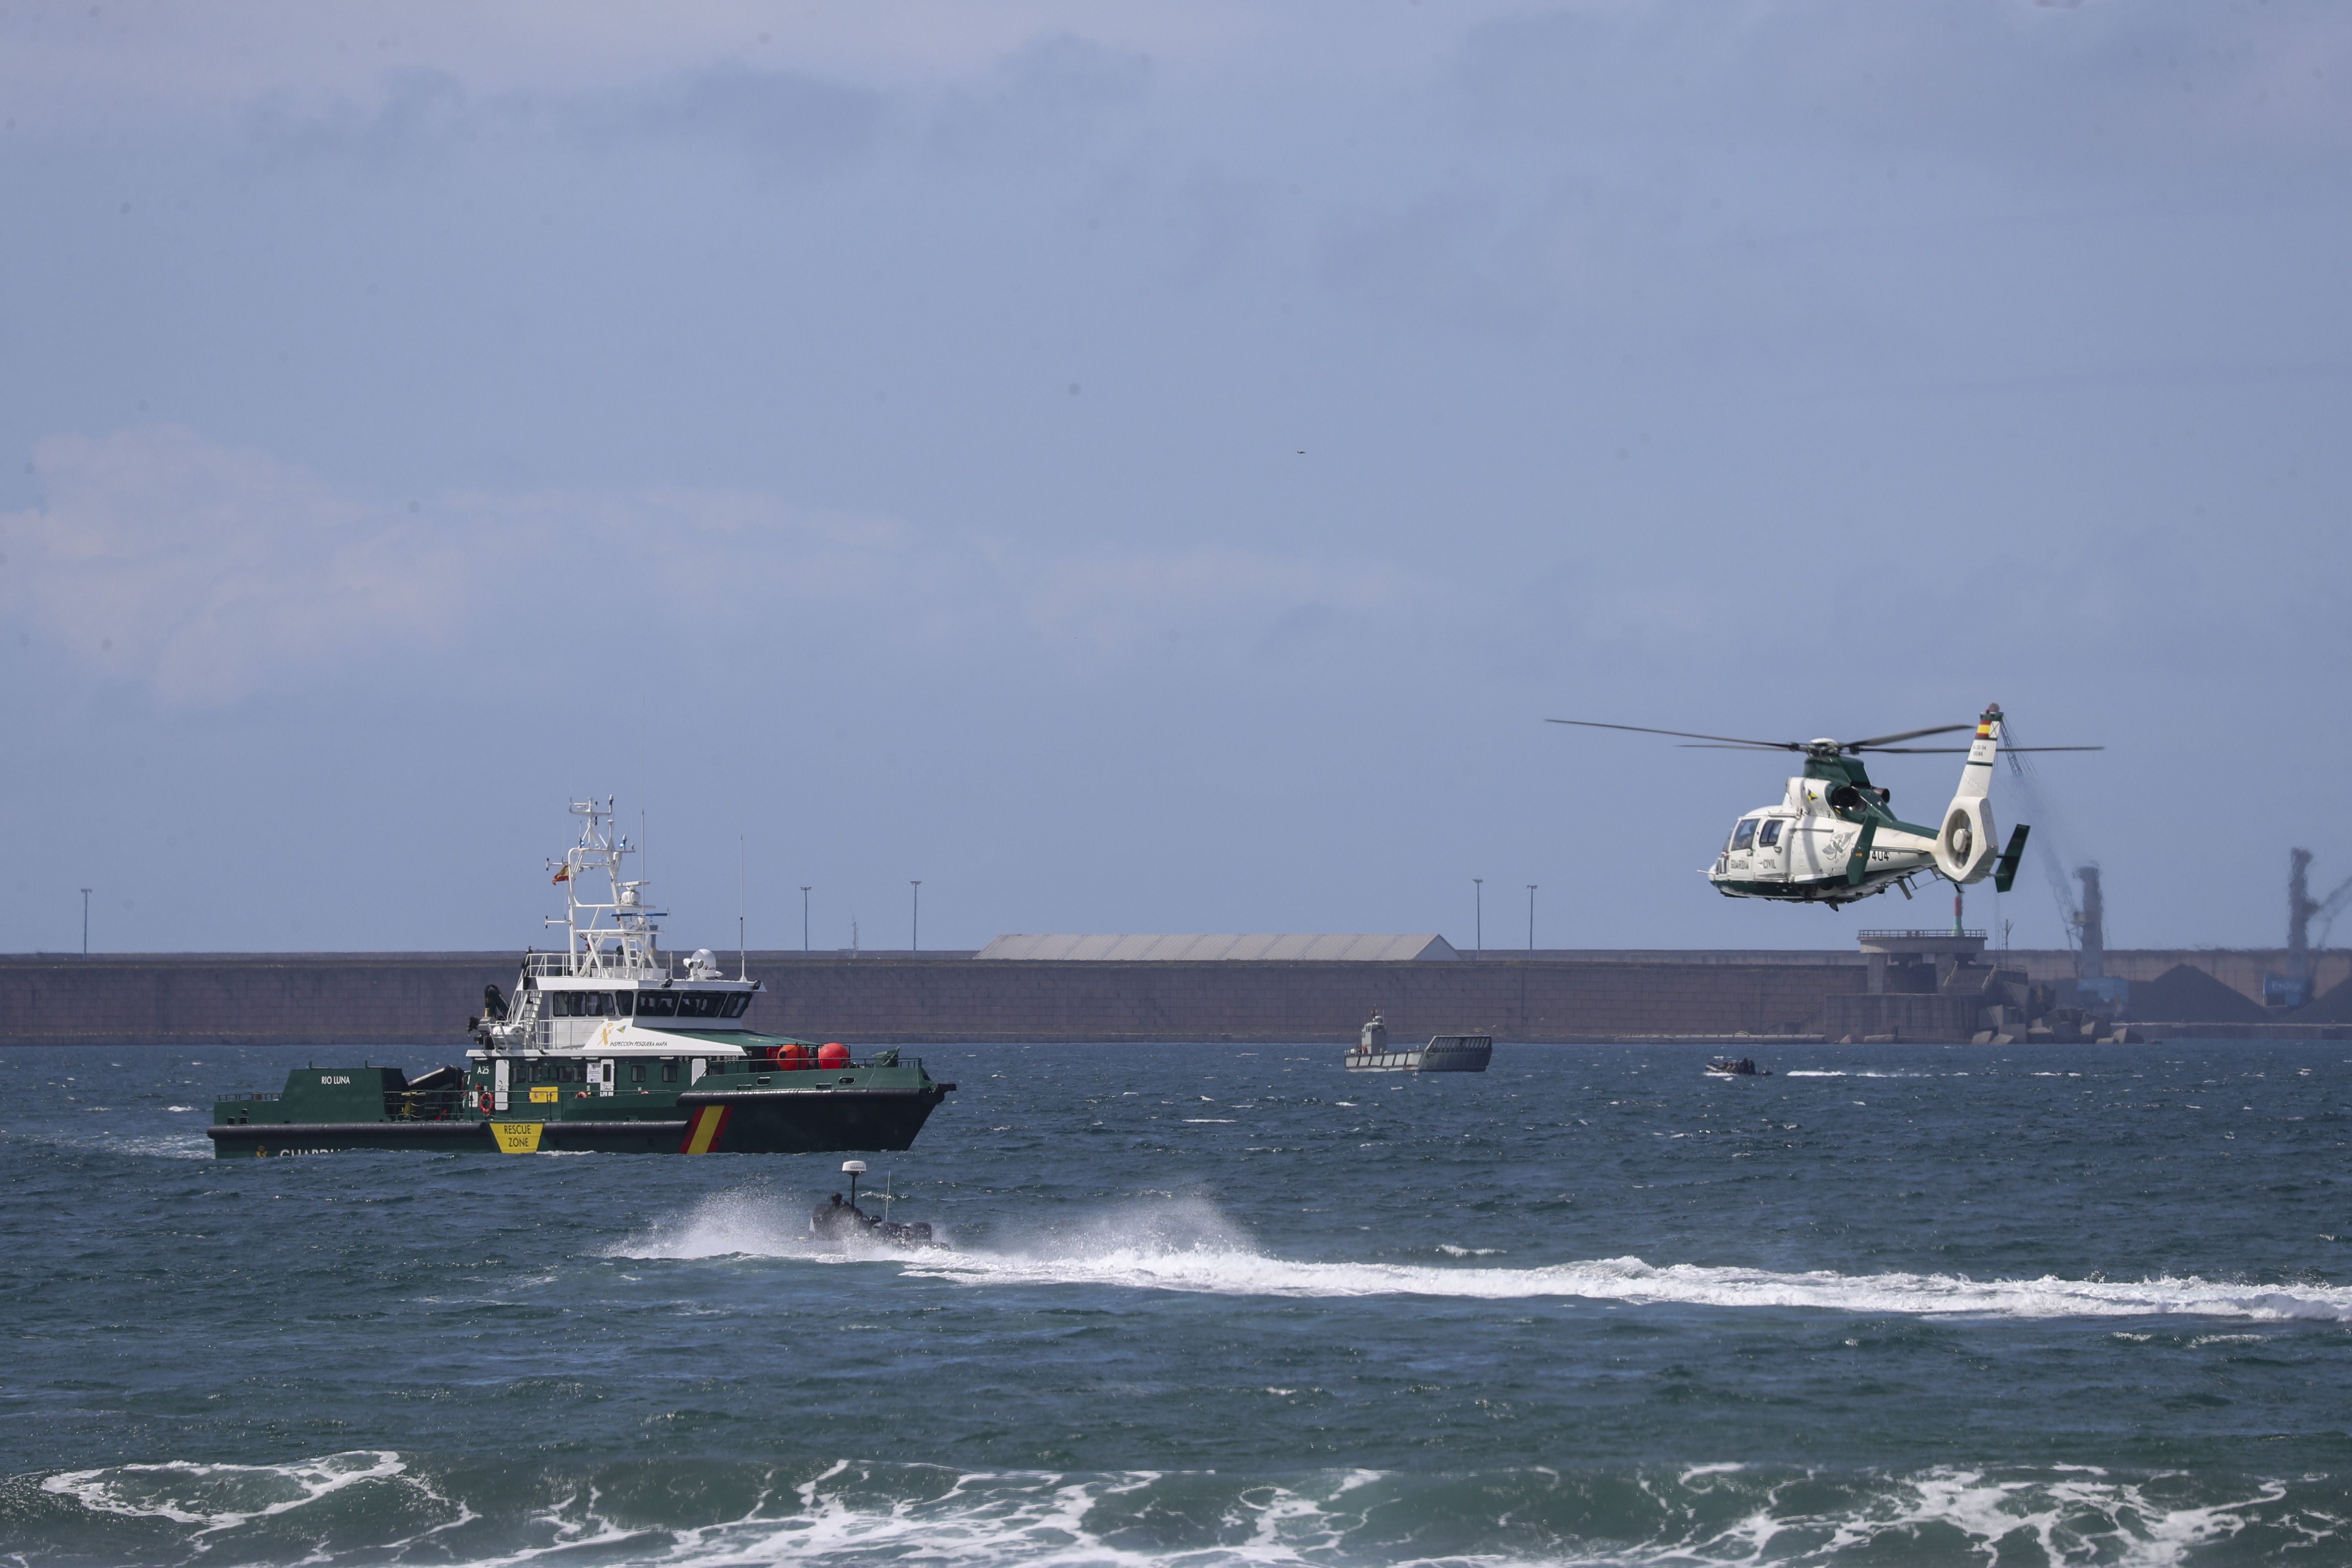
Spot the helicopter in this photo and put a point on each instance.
(1833, 838)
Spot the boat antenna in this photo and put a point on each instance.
(852, 1169)
(742, 954)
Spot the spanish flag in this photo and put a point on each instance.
(562, 875)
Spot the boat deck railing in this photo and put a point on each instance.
(250, 1094)
(572, 964)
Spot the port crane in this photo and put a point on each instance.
(1833, 837)
(2303, 912)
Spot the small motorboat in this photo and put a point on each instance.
(1445, 1053)
(1738, 1067)
(839, 1221)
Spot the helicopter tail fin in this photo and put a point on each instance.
(2005, 874)
(1965, 844)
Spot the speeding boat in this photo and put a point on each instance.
(843, 1222)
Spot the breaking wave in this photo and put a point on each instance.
(378, 1507)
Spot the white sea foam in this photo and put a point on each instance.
(217, 1498)
(1857, 1072)
(749, 1224)
(1188, 1245)
(1223, 1271)
(1703, 1516)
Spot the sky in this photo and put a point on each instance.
(1149, 468)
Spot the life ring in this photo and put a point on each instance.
(487, 1103)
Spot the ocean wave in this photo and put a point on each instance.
(212, 1499)
(146, 1145)
(850, 1513)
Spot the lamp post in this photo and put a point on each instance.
(915, 928)
(1479, 896)
(85, 923)
(805, 887)
(1531, 920)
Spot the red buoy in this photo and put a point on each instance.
(832, 1055)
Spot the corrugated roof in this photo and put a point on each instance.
(1420, 947)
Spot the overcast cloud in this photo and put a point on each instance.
(1153, 469)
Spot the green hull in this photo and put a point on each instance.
(739, 1107)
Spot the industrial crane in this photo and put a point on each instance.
(2302, 911)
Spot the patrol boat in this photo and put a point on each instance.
(609, 1046)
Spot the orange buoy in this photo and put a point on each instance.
(832, 1055)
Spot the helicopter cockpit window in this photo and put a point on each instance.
(1768, 835)
(1743, 836)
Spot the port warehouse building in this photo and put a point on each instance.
(1287, 988)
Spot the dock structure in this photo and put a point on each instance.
(1889, 985)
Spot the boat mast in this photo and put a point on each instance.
(630, 945)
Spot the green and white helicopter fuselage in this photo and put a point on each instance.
(1832, 837)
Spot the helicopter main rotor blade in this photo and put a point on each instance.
(1687, 735)
(1879, 742)
(1956, 751)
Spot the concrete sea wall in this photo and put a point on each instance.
(423, 999)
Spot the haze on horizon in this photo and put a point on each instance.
(1153, 469)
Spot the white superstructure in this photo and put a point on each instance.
(611, 1012)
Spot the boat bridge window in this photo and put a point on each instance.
(1770, 834)
(1743, 836)
(712, 1005)
(636, 1072)
(669, 1072)
(589, 1004)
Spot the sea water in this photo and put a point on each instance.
(1211, 1305)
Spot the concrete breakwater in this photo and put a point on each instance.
(423, 999)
